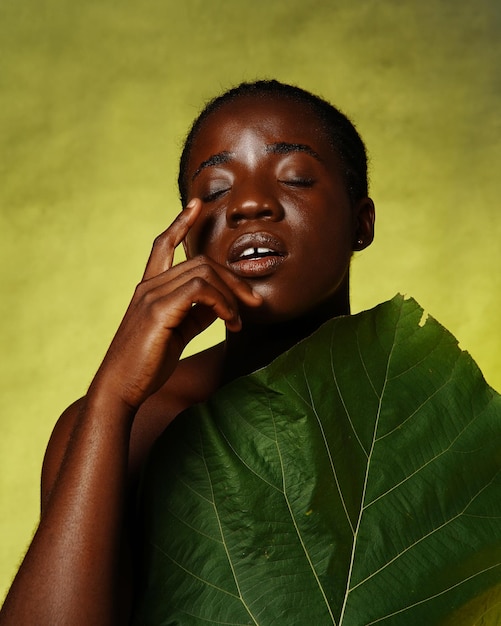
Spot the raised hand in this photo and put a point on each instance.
(72, 572)
(170, 306)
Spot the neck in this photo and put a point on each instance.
(256, 345)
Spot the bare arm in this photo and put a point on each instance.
(71, 572)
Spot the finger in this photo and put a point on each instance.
(200, 318)
(232, 286)
(192, 307)
(199, 285)
(165, 244)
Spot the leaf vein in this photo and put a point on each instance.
(432, 460)
(366, 478)
(429, 534)
(436, 595)
(334, 376)
(226, 549)
(204, 619)
(192, 574)
(435, 347)
(365, 368)
(247, 465)
(331, 461)
(409, 417)
(185, 523)
(249, 424)
(322, 591)
(197, 493)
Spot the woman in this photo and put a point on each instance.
(274, 185)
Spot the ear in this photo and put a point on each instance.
(364, 216)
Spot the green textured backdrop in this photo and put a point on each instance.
(96, 97)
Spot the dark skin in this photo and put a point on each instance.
(269, 232)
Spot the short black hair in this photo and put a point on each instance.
(339, 129)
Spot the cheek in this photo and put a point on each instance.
(327, 255)
(328, 235)
(203, 237)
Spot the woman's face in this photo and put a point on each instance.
(275, 206)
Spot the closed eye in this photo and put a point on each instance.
(214, 195)
(298, 182)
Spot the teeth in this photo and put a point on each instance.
(249, 252)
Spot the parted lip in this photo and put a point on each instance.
(259, 239)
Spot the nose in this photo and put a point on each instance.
(254, 201)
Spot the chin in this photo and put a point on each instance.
(263, 315)
(272, 313)
(266, 315)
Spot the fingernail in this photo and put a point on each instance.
(191, 203)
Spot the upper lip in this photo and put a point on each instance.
(255, 240)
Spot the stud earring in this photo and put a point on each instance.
(360, 242)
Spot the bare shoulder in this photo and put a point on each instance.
(193, 381)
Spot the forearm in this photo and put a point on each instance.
(70, 573)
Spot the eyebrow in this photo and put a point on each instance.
(284, 147)
(281, 147)
(215, 159)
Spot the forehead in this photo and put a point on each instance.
(275, 119)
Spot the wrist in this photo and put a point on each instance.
(103, 401)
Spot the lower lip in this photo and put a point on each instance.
(255, 268)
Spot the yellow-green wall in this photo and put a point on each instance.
(95, 97)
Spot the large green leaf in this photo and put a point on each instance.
(354, 481)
